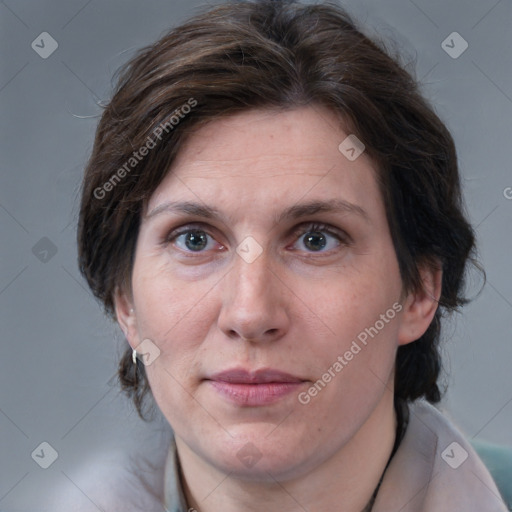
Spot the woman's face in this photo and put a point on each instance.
(263, 259)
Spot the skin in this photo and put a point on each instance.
(293, 308)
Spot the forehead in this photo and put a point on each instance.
(268, 158)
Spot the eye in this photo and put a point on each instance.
(317, 238)
(193, 240)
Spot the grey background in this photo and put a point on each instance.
(58, 351)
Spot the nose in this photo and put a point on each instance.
(254, 302)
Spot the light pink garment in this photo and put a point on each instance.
(430, 471)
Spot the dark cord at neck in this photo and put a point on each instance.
(402, 420)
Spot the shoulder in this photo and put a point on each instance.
(461, 478)
(435, 468)
(113, 482)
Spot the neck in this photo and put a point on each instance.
(349, 477)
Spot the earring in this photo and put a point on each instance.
(134, 356)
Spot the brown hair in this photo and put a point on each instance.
(270, 54)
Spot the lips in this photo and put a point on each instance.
(263, 376)
(254, 388)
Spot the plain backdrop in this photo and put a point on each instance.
(59, 353)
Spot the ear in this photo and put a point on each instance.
(126, 317)
(420, 306)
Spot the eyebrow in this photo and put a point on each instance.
(292, 213)
(186, 207)
(332, 206)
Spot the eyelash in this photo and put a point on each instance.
(310, 227)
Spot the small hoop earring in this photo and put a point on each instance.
(134, 356)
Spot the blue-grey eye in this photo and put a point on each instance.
(318, 241)
(315, 241)
(193, 240)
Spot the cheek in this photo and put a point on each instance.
(168, 307)
(176, 317)
(351, 369)
(352, 361)
(350, 301)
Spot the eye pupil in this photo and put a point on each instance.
(196, 240)
(315, 240)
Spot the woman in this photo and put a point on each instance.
(272, 213)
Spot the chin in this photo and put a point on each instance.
(255, 453)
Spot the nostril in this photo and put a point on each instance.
(270, 333)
